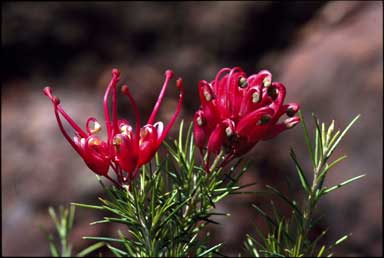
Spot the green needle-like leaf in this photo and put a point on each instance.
(87, 206)
(332, 148)
(320, 141)
(117, 251)
(306, 136)
(321, 251)
(328, 167)
(251, 247)
(210, 250)
(303, 180)
(342, 239)
(90, 249)
(104, 239)
(53, 249)
(330, 189)
(283, 197)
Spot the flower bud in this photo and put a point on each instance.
(330, 131)
(216, 139)
(199, 133)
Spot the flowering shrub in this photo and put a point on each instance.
(173, 198)
(238, 111)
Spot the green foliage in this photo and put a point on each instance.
(64, 222)
(164, 211)
(290, 236)
(166, 208)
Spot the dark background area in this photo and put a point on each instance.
(328, 54)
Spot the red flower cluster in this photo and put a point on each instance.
(125, 149)
(238, 111)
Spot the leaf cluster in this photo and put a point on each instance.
(290, 236)
(165, 209)
(64, 220)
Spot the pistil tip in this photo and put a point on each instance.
(179, 83)
(115, 72)
(124, 89)
(47, 91)
(169, 74)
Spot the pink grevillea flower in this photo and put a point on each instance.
(125, 149)
(238, 111)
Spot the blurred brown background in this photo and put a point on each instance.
(328, 54)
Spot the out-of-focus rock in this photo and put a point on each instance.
(336, 71)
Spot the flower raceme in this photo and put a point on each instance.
(125, 149)
(238, 111)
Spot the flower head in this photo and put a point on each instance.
(125, 149)
(238, 111)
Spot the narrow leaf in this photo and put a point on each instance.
(303, 180)
(250, 245)
(90, 249)
(332, 148)
(328, 190)
(87, 206)
(320, 145)
(321, 251)
(53, 249)
(104, 239)
(279, 194)
(117, 251)
(342, 239)
(209, 250)
(328, 167)
(306, 136)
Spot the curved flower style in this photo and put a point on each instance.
(124, 150)
(238, 111)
